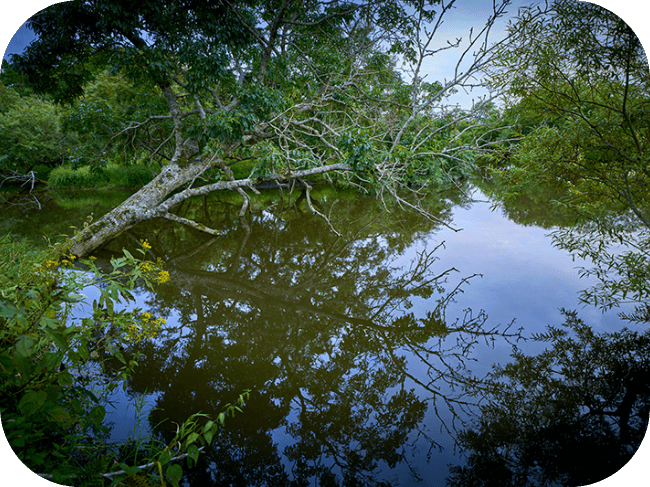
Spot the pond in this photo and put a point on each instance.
(363, 353)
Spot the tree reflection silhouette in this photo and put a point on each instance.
(319, 329)
(572, 415)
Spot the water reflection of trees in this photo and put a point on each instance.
(531, 205)
(319, 328)
(576, 413)
(616, 250)
(54, 213)
(572, 415)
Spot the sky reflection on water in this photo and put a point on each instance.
(286, 292)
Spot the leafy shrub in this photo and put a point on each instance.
(66, 177)
(42, 171)
(55, 369)
(129, 176)
(30, 133)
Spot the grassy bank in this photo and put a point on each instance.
(108, 177)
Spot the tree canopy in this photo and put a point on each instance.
(301, 88)
(578, 79)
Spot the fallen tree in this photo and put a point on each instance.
(302, 88)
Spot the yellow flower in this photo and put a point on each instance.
(148, 327)
(146, 267)
(145, 245)
(163, 276)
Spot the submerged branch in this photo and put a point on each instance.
(191, 223)
(248, 183)
(314, 210)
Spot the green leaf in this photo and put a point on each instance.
(76, 406)
(25, 345)
(174, 474)
(18, 442)
(64, 379)
(32, 401)
(208, 426)
(118, 262)
(58, 338)
(6, 364)
(83, 351)
(193, 454)
(192, 438)
(208, 435)
(8, 310)
(73, 356)
(165, 458)
(97, 415)
(129, 470)
(70, 299)
(47, 322)
(58, 414)
(22, 365)
(49, 361)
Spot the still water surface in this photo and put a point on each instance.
(359, 351)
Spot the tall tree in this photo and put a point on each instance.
(580, 77)
(301, 87)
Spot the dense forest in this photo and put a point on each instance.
(207, 96)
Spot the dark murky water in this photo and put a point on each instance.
(361, 352)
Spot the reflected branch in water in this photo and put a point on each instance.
(440, 353)
(587, 393)
(619, 251)
(318, 328)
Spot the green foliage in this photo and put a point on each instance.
(109, 25)
(56, 368)
(578, 81)
(49, 409)
(100, 122)
(39, 136)
(358, 150)
(30, 134)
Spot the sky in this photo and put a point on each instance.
(21, 38)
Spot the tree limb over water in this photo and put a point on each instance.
(298, 88)
(578, 80)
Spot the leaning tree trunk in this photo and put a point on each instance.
(141, 206)
(155, 200)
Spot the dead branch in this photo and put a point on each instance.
(314, 210)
